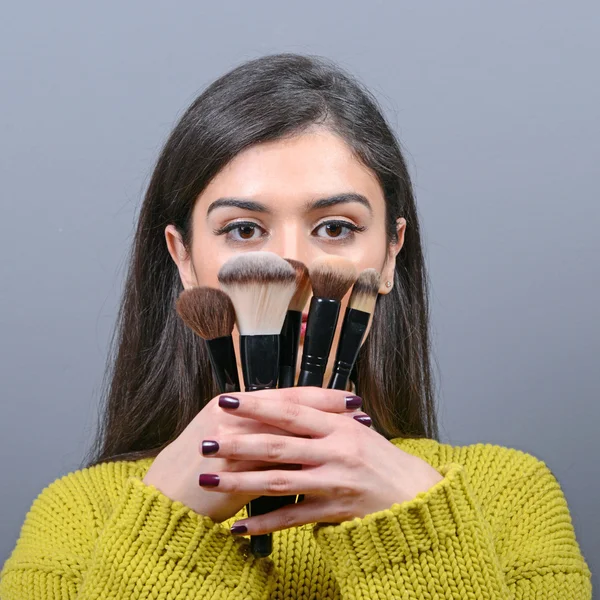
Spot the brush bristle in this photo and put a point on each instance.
(260, 285)
(365, 290)
(331, 276)
(207, 311)
(303, 288)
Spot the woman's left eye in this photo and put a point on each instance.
(332, 230)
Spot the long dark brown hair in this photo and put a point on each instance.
(158, 376)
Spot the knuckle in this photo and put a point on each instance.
(350, 460)
(278, 484)
(343, 490)
(232, 447)
(276, 448)
(291, 410)
(285, 520)
(294, 395)
(233, 485)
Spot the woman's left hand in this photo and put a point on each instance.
(347, 470)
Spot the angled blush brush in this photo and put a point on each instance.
(209, 313)
(260, 285)
(356, 320)
(330, 277)
(290, 332)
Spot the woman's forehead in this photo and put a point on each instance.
(299, 169)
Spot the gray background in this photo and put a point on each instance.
(497, 106)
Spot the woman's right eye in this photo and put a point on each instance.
(241, 231)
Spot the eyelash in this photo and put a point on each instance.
(353, 229)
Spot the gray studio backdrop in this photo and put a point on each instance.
(497, 107)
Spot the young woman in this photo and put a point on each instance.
(288, 154)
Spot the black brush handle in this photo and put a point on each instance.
(260, 367)
(288, 354)
(320, 329)
(260, 361)
(352, 334)
(222, 358)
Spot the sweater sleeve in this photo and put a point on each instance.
(150, 546)
(439, 545)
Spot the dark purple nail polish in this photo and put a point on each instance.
(228, 402)
(209, 447)
(353, 401)
(209, 480)
(364, 420)
(238, 529)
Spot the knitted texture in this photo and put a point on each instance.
(497, 526)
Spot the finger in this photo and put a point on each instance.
(285, 414)
(294, 515)
(270, 448)
(274, 482)
(327, 400)
(253, 465)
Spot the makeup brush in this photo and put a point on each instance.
(292, 326)
(330, 277)
(209, 313)
(260, 285)
(356, 319)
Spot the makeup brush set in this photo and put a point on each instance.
(264, 295)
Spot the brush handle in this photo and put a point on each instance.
(320, 329)
(288, 354)
(222, 358)
(260, 361)
(262, 545)
(352, 334)
(260, 366)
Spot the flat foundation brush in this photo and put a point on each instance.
(330, 278)
(356, 320)
(290, 332)
(260, 285)
(209, 313)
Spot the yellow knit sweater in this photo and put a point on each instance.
(496, 527)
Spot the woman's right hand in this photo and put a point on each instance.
(176, 469)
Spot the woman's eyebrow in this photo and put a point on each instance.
(344, 198)
(238, 203)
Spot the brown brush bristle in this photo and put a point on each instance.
(303, 289)
(207, 311)
(331, 276)
(365, 290)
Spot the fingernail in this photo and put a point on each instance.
(228, 402)
(364, 420)
(209, 447)
(238, 529)
(209, 480)
(353, 401)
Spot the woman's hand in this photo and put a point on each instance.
(176, 469)
(348, 470)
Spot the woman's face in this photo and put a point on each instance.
(301, 198)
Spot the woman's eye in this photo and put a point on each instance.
(246, 232)
(337, 230)
(241, 231)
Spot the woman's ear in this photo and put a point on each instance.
(181, 257)
(389, 267)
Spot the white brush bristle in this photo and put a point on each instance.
(260, 285)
